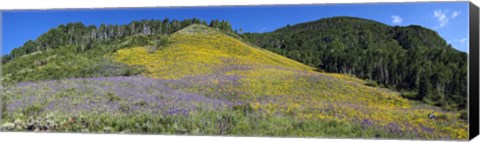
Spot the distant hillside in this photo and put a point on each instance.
(412, 59)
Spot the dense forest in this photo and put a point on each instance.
(86, 37)
(411, 59)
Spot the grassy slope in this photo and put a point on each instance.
(66, 62)
(278, 85)
(282, 97)
(201, 53)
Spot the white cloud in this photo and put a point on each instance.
(455, 14)
(397, 19)
(462, 41)
(443, 18)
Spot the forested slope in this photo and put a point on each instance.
(411, 59)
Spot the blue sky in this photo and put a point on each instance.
(449, 19)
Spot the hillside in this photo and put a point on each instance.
(198, 50)
(411, 59)
(76, 50)
(200, 80)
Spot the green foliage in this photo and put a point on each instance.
(141, 103)
(111, 68)
(158, 44)
(464, 115)
(162, 41)
(3, 107)
(245, 109)
(85, 37)
(112, 97)
(125, 108)
(33, 110)
(372, 83)
(217, 123)
(65, 62)
(409, 58)
(441, 117)
(66, 93)
(137, 40)
(409, 95)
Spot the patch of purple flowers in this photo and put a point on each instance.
(112, 95)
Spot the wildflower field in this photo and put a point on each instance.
(204, 82)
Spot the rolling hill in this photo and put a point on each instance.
(201, 80)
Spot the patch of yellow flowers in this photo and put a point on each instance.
(308, 94)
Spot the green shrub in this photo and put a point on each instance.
(409, 95)
(441, 117)
(112, 97)
(371, 83)
(33, 110)
(111, 68)
(245, 109)
(160, 42)
(3, 107)
(464, 115)
(141, 103)
(125, 108)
